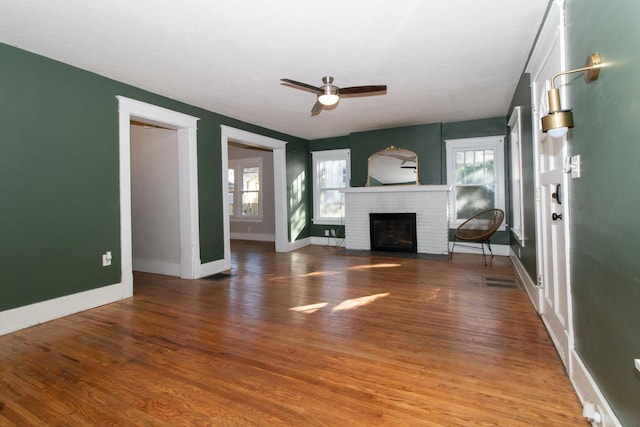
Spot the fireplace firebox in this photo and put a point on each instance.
(394, 232)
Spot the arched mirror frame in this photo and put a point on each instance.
(388, 157)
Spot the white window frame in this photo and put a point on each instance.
(238, 165)
(515, 145)
(320, 156)
(465, 144)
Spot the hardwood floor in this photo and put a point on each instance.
(311, 337)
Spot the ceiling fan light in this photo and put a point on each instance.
(328, 95)
(328, 98)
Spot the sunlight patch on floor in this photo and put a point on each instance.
(367, 266)
(311, 308)
(354, 303)
(349, 304)
(320, 273)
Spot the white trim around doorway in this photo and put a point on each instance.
(186, 127)
(227, 134)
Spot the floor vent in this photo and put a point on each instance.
(218, 276)
(500, 283)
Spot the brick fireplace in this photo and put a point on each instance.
(429, 203)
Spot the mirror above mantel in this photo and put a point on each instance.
(392, 166)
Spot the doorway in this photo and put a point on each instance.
(185, 126)
(155, 199)
(229, 134)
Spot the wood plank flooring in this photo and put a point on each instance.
(307, 338)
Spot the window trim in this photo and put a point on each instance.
(496, 143)
(517, 201)
(238, 165)
(324, 155)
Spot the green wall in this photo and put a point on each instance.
(605, 236)
(427, 141)
(424, 140)
(59, 177)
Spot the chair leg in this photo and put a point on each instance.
(483, 255)
(489, 245)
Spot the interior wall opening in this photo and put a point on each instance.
(155, 199)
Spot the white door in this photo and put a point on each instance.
(552, 193)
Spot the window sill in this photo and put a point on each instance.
(517, 233)
(327, 221)
(236, 219)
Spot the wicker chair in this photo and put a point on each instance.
(479, 229)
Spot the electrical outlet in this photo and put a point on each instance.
(106, 259)
(326, 233)
(333, 232)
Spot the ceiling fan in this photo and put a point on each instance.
(329, 94)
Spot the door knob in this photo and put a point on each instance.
(555, 216)
(556, 195)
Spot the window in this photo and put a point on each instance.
(517, 222)
(244, 188)
(475, 171)
(331, 172)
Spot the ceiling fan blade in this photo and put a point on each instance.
(362, 89)
(317, 107)
(301, 85)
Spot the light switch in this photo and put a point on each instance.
(575, 166)
(637, 362)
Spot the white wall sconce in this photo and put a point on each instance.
(558, 121)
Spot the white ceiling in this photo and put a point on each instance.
(443, 61)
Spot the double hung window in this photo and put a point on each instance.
(331, 173)
(475, 171)
(245, 191)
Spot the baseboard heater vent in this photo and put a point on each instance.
(218, 276)
(500, 283)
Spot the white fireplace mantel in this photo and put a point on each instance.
(399, 189)
(430, 203)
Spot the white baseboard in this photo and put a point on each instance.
(582, 381)
(253, 236)
(212, 267)
(588, 391)
(474, 248)
(157, 267)
(535, 295)
(40, 312)
(292, 246)
(327, 241)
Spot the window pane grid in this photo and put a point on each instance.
(474, 167)
(244, 189)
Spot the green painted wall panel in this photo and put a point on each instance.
(299, 190)
(424, 140)
(59, 177)
(605, 237)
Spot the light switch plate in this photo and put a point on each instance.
(575, 166)
(637, 362)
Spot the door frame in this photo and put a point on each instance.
(551, 38)
(186, 127)
(228, 133)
